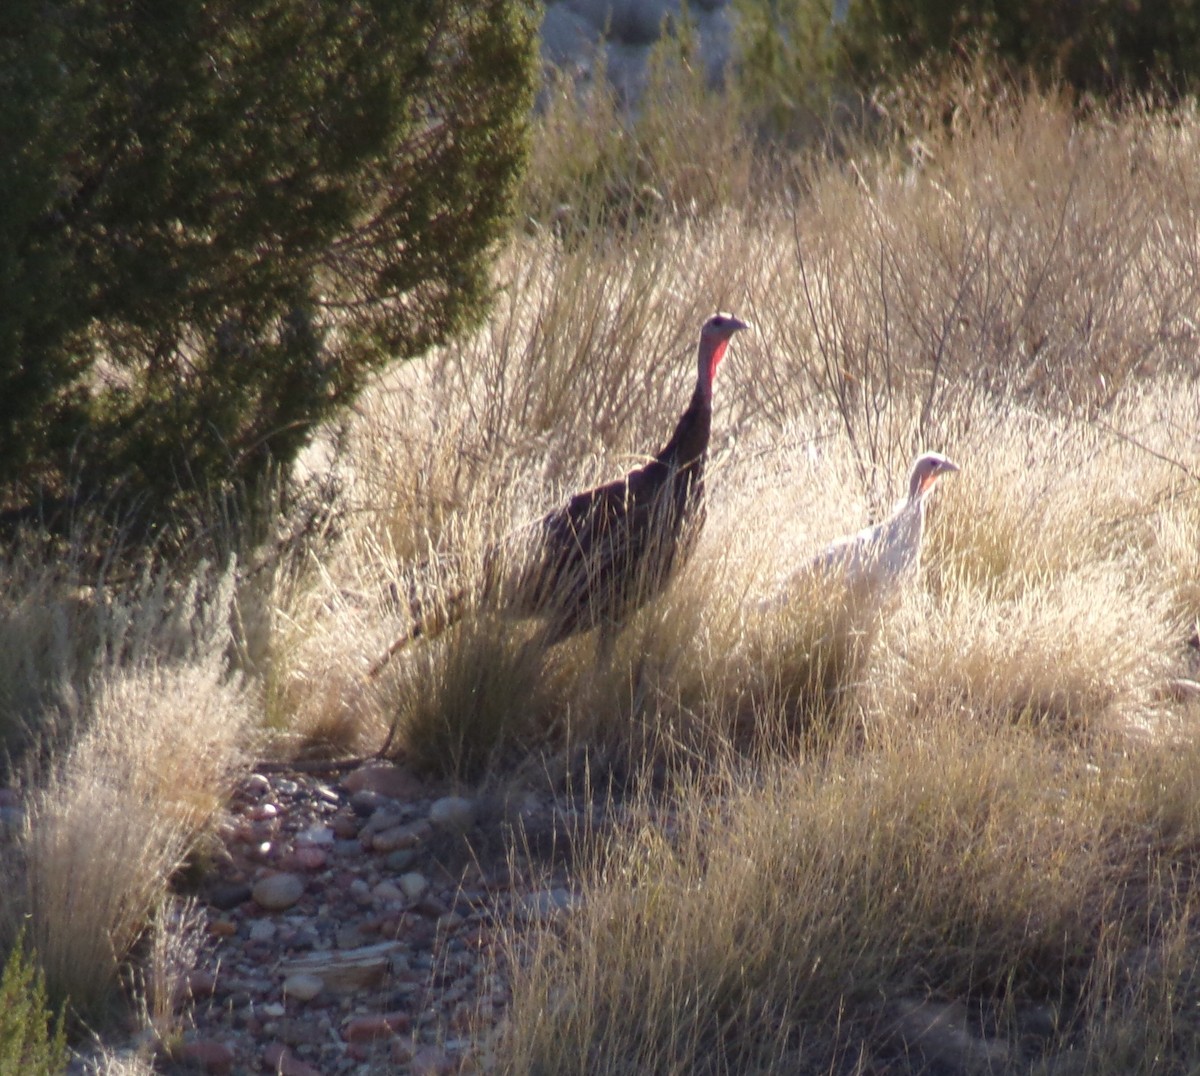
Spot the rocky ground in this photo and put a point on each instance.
(358, 922)
(354, 922)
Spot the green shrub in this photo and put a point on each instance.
(788, 63)
(219, 217)
(1095, 46)
(28, 1044)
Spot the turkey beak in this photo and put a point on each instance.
(737, 325)
(947, 467)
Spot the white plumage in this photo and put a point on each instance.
(876, 558)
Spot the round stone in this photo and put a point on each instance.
(389, 840)
(453, 813)
(262, 930)
(413, 885)
(278, 891)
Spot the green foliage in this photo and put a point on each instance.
(219, 217)
(788, 61)
(28, 1044)
(1096, 46)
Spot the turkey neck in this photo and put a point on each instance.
(689, 442)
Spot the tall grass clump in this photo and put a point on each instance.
(134, 783)
(795, 922)
(999, 287)
(1016, 251)
(115, 820)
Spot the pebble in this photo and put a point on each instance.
(199, 983)
(413, 885)
(453, 813)
(262, 930)
(376, 1026)
(389, 840)
(386, 893)
(366, 802)
(309, 858)
(302, 986)
(387, 957)
(317, 834)
(210, 1055)
(278, 891)
(277, 1058)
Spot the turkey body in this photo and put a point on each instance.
(609, 550)
(598, 558)
(877, 558)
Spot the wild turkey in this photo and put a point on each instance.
(875, 559)
(608, 550)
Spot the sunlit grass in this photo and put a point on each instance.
(827, 812)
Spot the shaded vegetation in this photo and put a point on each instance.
(32, 1040)
(220, 218)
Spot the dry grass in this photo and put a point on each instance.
(144, 777)
(791, 920)
(976, 794)
(127, 803)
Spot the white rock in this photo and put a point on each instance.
(315, 834)
(453, 813)
(413, 885)
(387, 893)
(278, 891)
(302, 986)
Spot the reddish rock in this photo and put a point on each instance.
(376, 1026)
(222, 928)
(209, 1054)
(309, 858)
(386, 778)
(391, 840)
(197, 983)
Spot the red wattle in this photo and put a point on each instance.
(717, 355)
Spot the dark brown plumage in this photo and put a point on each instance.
(608, 550)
